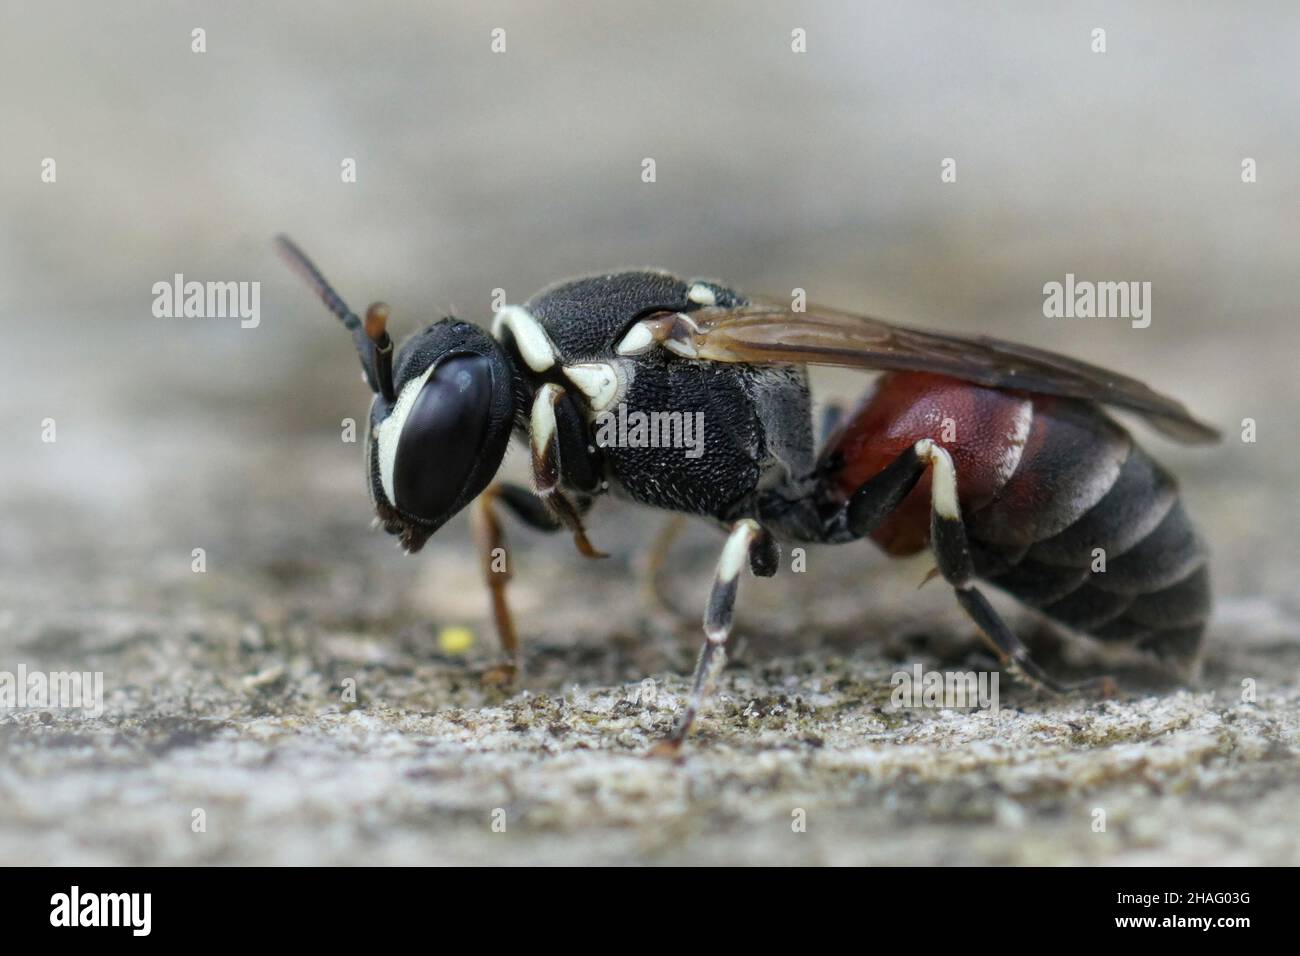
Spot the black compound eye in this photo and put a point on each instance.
(443, 437)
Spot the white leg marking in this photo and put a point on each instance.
(544, 416)
(735, 553)
(530, 338)
(943, 479)
(735, 557)
(542, 421)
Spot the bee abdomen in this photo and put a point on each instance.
(1061, 508)
(1129, 568)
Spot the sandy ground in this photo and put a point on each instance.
(307, 691)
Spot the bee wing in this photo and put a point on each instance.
(763, 333)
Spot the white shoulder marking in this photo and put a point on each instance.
(678, 343)
(674, 332)
(701, 294)
(638, 339)
(389, 432)
(597, 380)
(531, 340)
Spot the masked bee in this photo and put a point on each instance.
(996, 456)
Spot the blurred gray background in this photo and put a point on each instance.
(478, 170)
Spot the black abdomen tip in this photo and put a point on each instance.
(1132, 568)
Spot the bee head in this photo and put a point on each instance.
(437, 441)
(441, 417)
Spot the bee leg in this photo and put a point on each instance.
(656, 558)
(877, 497)
(552, 428)
(496, 562)
(952, 555)
(748, 544)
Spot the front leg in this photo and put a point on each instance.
(496, 562)
(559, 448)
(748, 544)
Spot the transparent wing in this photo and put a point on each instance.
(762, 333)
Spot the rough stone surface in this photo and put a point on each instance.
(225, 692)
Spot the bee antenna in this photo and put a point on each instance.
(376, 328)
(371, 338)
(298, 261)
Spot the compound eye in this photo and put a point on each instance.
(442, 437)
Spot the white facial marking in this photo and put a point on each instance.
(531, 340)
(597, 380)
(389, 432)
(638, 339)
(701, 294)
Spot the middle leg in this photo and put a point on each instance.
(496, 560)
(748, 544)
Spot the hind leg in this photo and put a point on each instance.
(877, 497)
(952, 554)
